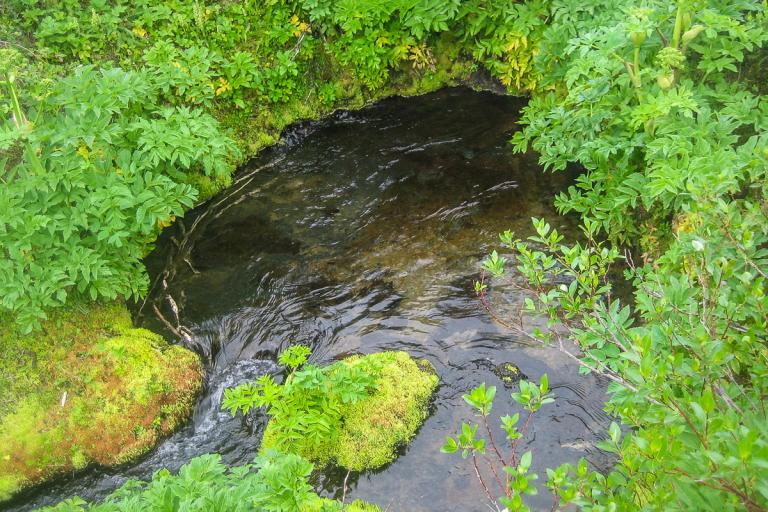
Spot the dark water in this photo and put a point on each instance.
(364, 233)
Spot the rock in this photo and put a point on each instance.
(509, 374)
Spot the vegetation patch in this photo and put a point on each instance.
(87, 389)
(654, 100)
(354, 413)
(275, 482)
(509, 374)
(118, 116)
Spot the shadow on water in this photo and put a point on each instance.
(364, 233)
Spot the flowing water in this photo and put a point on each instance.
(358, 234)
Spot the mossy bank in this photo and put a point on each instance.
(88, 388)
(259, 125)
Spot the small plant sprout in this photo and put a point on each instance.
(495, 264)
(294, 356)
(509, 474)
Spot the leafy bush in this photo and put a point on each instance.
(307, 408)
(96, 176)
(688, 362)
(649, 109)
(504, 37)
(515, 468)
(646, 98)
(273, 483)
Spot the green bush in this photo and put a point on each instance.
(646, 102)
(275, 482)
(95, 172)
(646, 97)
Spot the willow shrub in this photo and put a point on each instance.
(647, 98)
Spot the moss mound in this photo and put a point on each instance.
(374, 428)
(89, 388)
(509, 374)
(361, 506)
(328, 504)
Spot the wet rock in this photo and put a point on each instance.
(509, 374)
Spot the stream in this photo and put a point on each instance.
(361, 233)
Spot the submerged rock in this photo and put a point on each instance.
(375, 427)
(88, 389)
(509, 374)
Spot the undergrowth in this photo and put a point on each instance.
(355, 413)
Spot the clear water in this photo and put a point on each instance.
(364, 233)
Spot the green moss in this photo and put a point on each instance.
(509, 374)
(331, 87)
(9, 484)
(361, 506)
(375, 427)
(89, 388)
(328, 504)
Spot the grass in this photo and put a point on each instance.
(87, 389)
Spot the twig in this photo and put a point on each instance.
(516, 444)
(490, 437)
(602, 369)
(299, 42)
(492, 467)
(189, 263)
(17, 45)
(480, 478)
(344, 492)
(181, 332)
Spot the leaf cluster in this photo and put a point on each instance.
(275, 482)
(518, 479)
(307, 408)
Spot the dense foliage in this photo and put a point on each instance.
(647, 101)
(275, 482)
(118, 115)
(107, 106)
(97, 177)
(308, 406)
(646, 97)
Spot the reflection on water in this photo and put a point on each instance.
(365, 234)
